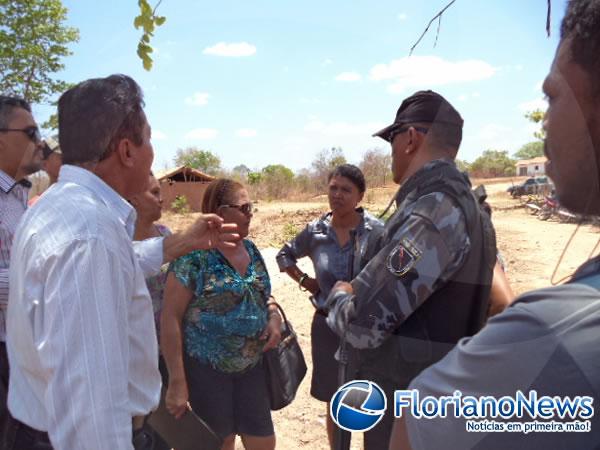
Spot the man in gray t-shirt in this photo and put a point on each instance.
(541, 343)
(548, 340)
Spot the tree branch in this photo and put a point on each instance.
(437, 16)
(156, 7)
(437, 34)
(548, 17)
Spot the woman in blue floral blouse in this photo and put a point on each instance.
(215, 326)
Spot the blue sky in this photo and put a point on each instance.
(274, 82)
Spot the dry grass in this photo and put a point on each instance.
(530, 247)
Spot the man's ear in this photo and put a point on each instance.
(124, 152)
(415, 139)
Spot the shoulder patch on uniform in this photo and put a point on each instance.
(403, 257)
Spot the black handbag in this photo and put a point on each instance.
(285, 367)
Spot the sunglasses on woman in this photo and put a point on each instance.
(246, 208)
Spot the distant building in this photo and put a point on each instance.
(531, 167)
(185, 181)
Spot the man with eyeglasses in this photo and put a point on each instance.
(426, 280)
(20, 155)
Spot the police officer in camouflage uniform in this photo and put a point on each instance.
(425, 281)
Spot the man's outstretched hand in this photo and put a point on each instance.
(208, 231)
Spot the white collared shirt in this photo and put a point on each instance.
(81, 340)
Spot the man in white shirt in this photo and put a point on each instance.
(81, 338)
(20, 155)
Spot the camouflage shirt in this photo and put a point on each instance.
(423, 245)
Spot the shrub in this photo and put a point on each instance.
(180, 205)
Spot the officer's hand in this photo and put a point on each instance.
(343, 286)
(311, 285)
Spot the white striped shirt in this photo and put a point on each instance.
(81, 340)
(13, 202)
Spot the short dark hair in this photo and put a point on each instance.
(353, 173)
(219, 193)
(96, 114)
(446, 135)
(582, 24)
(8, 104)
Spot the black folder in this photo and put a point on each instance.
(189, 432)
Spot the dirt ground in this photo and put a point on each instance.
(530, 247)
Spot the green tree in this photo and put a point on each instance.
(199, 159)
(254, 178)
(277, 180)
(147, 20)
(493, 163)
(530, 150)
(33, 44)
(463, 165)
(537, 116)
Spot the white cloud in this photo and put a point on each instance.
(201, 134)
(246, 133)
(467, 97)
(161, 54)
(342, 128)
(402, 16)
(310, 100)
(327, 62)
(197, 99)
(234, 49)
(496, 136)
(538, 103)
(538, 86)
(158, 135)
(420, 71)
(492, 132)
(319, 133)
(532, 128)
(348, 76)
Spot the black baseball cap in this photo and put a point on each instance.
(422, 107)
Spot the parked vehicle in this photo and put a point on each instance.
(537, 185)
(549, 208)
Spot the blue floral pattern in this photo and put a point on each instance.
(228, 313)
